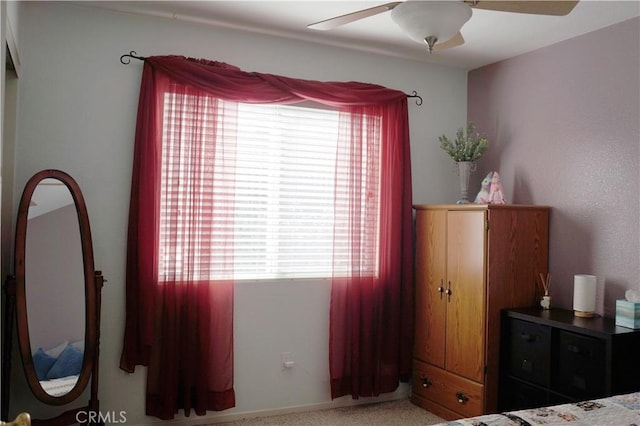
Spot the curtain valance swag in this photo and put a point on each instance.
(230, 83)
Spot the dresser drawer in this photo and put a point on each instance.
(529, 351)
(449, 390)
(520, 395)
(580, 365)
(588, 358)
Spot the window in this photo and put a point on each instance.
(262, 180)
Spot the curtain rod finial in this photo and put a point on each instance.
(414, 94)
(124, 59)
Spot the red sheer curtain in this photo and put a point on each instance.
(372, 313)
(180, 324)
(179, 318)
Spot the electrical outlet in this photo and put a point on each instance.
(287, 360)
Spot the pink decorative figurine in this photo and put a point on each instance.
(491, 191)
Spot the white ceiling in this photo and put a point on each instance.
(490, 36)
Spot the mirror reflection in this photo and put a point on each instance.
(54, 287)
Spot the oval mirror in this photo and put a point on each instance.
(55, 288)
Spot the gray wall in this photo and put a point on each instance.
(76, 112)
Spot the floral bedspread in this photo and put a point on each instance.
(620, 410)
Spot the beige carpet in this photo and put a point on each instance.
(401, 412)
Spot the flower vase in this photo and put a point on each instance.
(465, 168)
(545, 302)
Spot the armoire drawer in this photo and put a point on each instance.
(529, 351)
(579, 369)
(449, 390)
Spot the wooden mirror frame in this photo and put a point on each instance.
(16, 300)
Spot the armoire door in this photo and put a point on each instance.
(430, 281)
(465, 293)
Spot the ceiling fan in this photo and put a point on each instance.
(438, 23)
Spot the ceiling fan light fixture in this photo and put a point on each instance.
(431, 21)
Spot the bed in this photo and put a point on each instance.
(58, 368)
(59, 386)
(619, 410)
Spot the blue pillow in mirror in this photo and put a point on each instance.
(69, 363)
(42, 363)
(57, 350)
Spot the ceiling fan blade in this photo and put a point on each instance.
(329, 24)
(540, 7)
(456, 40)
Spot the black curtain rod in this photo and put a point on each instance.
(126, 60)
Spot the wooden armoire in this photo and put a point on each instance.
(472, 261)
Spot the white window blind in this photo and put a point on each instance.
(280, 191)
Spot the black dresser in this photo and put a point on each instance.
(551, 357)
